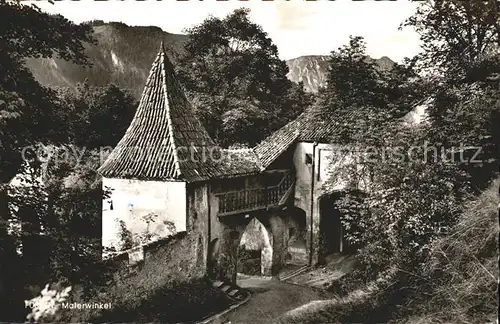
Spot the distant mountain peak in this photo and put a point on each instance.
(123, 56)
(312, 69)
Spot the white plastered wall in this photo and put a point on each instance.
(132, 201)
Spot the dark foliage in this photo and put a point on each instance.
(232, 72)
(417, 209)
(28, 107)
(456, 34)
(95, 117)
(174, 303)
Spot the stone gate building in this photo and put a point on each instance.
(166, 176)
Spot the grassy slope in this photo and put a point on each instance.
(458, 282)
(463, 269)
(178, 303)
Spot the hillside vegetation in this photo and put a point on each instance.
(121, 55)
(115, 60)
(461, 274)
(426, 223)
(457, 283)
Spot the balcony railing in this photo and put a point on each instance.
(247, 200)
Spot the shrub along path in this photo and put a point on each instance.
(181, 303)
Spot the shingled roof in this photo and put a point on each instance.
(165, 140)
(317, 124)
(313, 125)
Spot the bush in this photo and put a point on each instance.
(174, 303)
(458, 281)
(407, 202)
(45, 306)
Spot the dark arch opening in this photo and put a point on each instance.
(330, 227)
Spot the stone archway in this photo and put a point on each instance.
(255, 250)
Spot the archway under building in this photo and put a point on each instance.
(255, 250)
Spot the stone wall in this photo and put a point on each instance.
(180, 257)
(198, 220)
(166, 262)
(279, 229)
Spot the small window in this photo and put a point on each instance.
(309, 159)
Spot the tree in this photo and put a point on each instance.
(59, 207)
(237, 82)
(26, 106)
(95, 117)
(407, 199)
(355, 82)
(417, 179)
(28, 32)
(456, 34)
(351, 77)
(460, 55)
(414, 194)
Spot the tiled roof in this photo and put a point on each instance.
(165, 140)
(273, 146)
(314, 125)
(239, 162)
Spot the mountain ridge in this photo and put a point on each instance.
(312, 69)
(123, 56)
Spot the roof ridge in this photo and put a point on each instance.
(170, 133)
(148, 81)
(165, 139)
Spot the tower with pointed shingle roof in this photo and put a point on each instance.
(162, 150)
(167, 176)
(164, 157)
(165, 141)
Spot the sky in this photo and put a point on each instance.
(297, 27)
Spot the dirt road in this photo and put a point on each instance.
(270, 299)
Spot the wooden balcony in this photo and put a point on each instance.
(241, 201)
